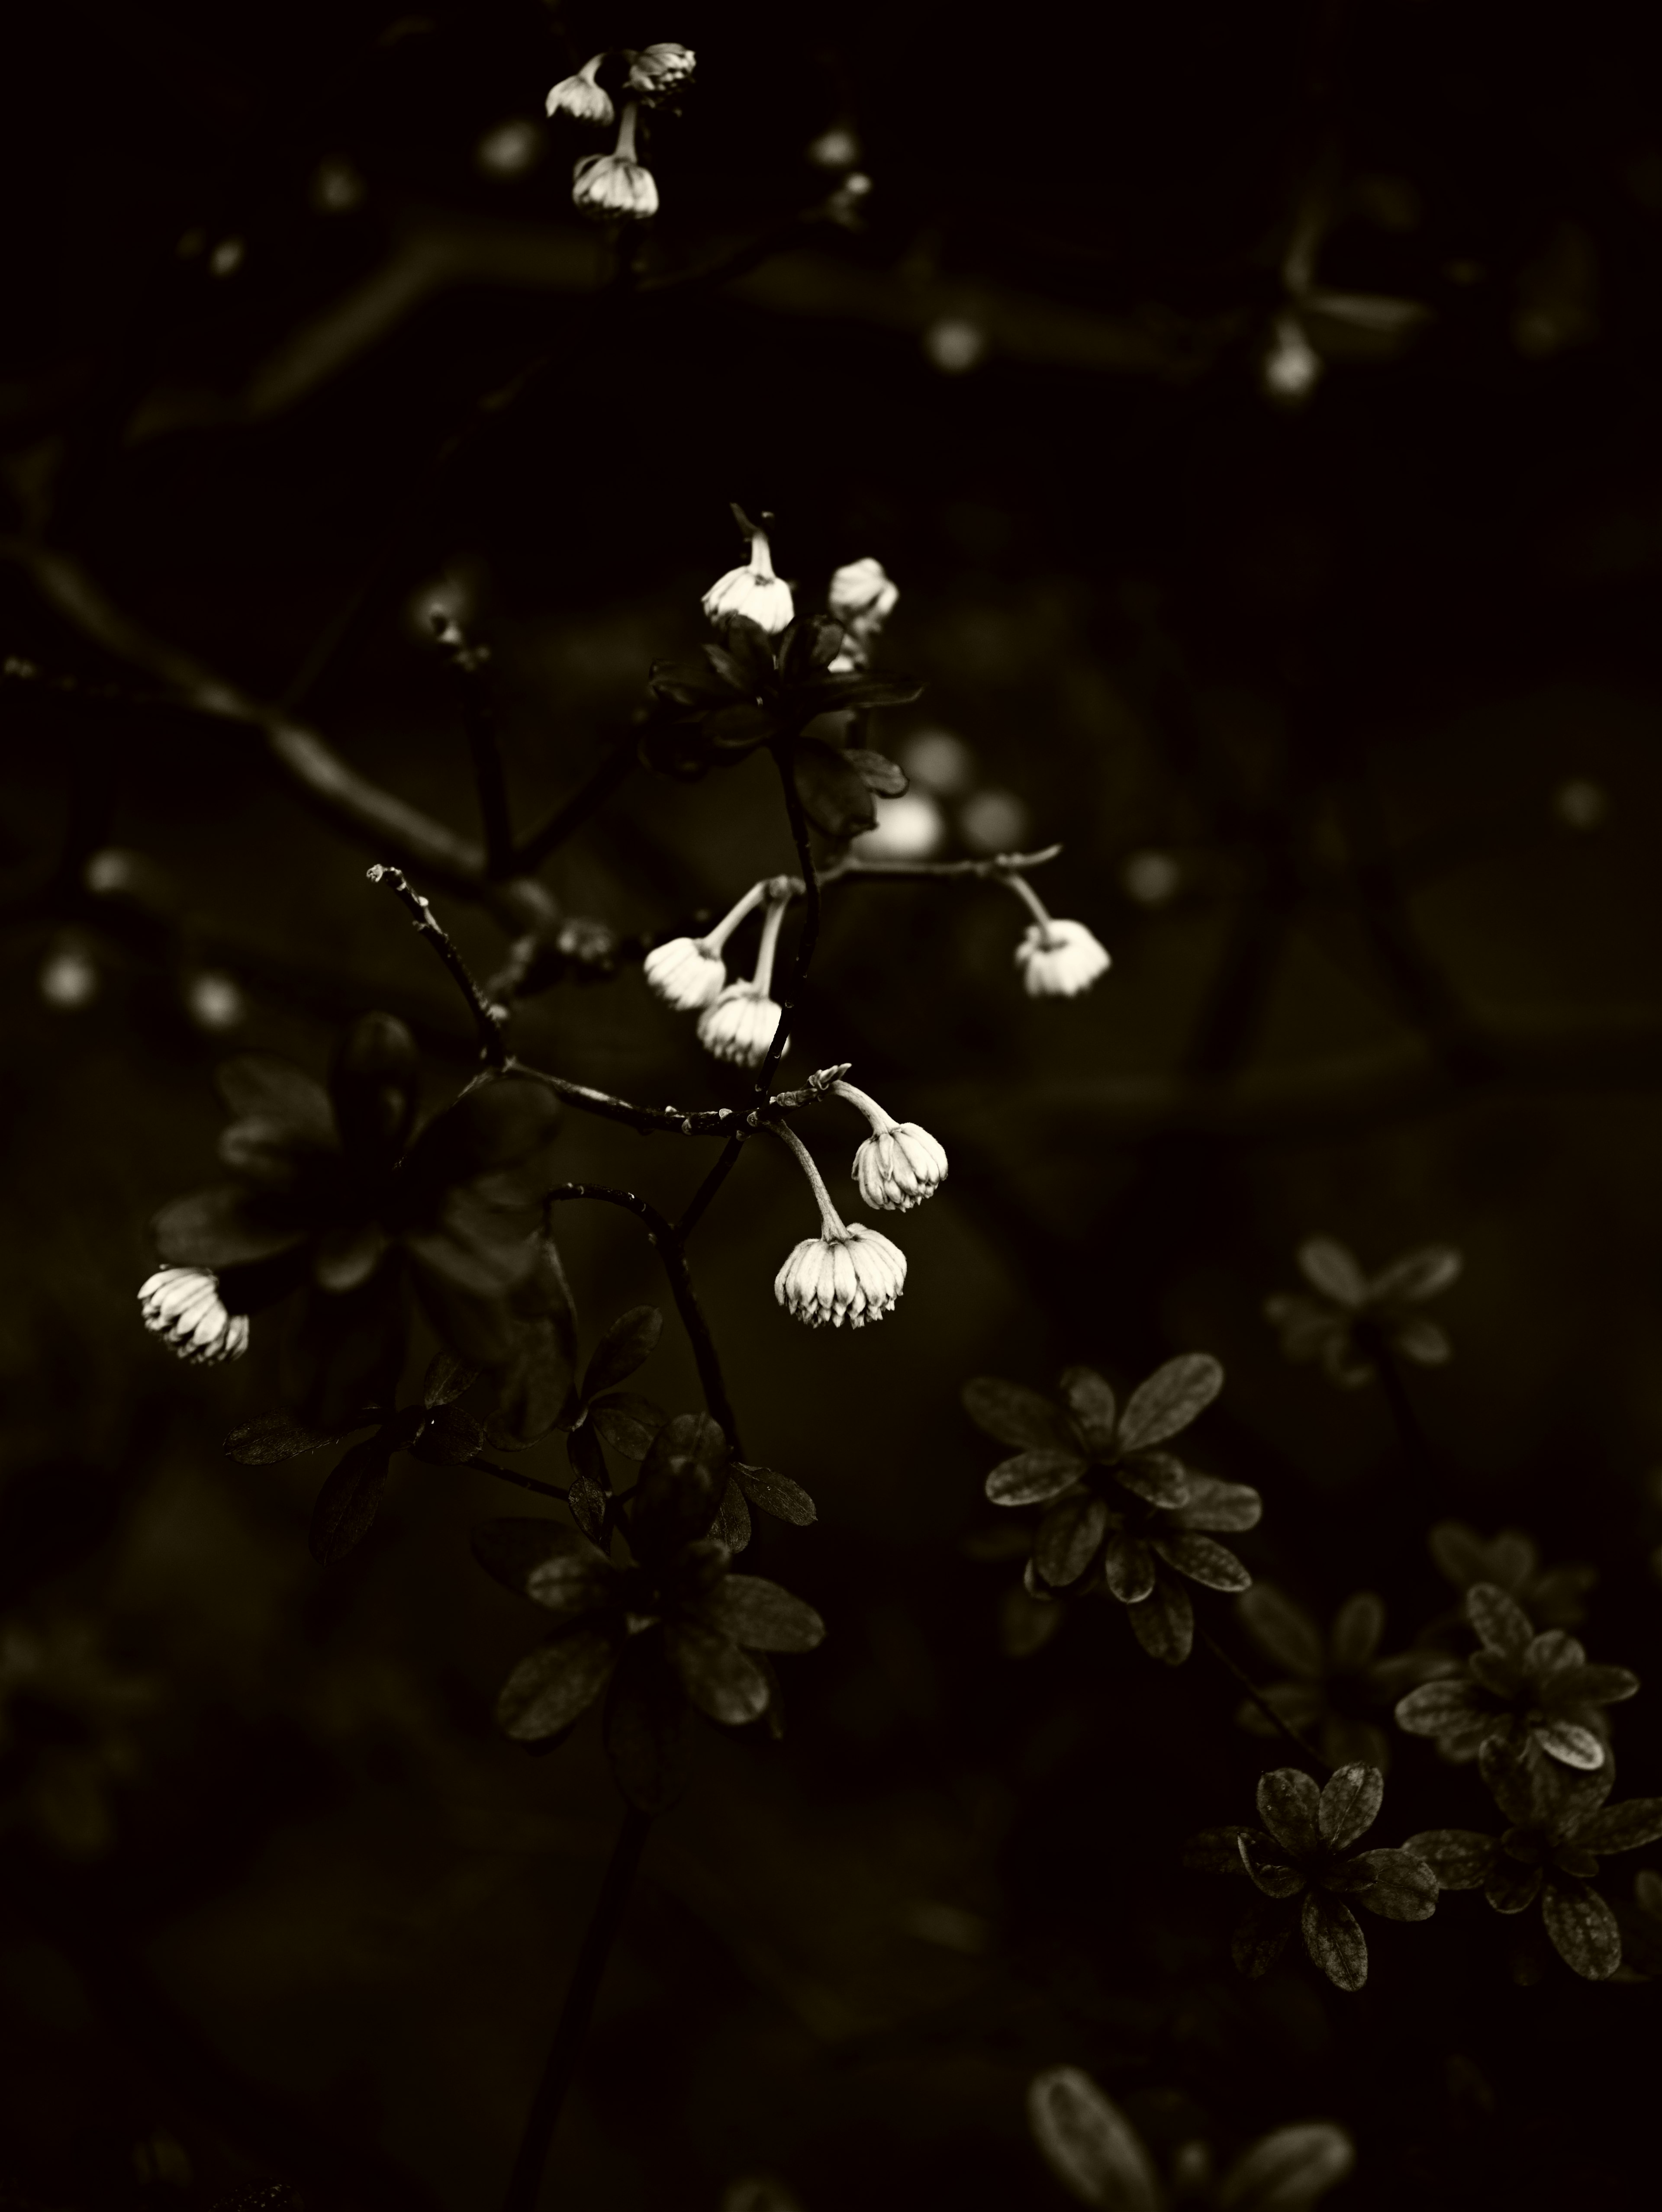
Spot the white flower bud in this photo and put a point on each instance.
(738, 1025)
(1292, 366)
(611, 187)
(581, 96)
(862, 593)
(898, 1168)
(857, 1276)
(1059, 959)
(686, 973)
(183, 1307)
(658, 71)
(754, 591)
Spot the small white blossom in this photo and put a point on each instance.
(657, 71)
(182, 1305)
(613, 187)
(863, 596)
(738, 1025)
(850, 1273)
(581, 96)
(898, 1168)
(1059, 959)
(687, 973)
(752, 592)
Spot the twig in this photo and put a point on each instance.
(1246, 1684)
(709, 1121)
(993, 868)
(522, 1481)
(526, 2182)
(468, 663)
(487, 1019)
(662, 1235)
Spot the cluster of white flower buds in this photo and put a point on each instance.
(617, 187)
(848, 1271)
(183, 1307)
(754, 591)
(736, 1021)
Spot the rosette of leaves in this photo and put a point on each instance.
(750, 690)
(1562, 1825)
(438, 1431)
(1119, 1513)
(1519, 1690)
(1336, 1681)
(1307, 1871)
(1352, 1316)
(1098, 2157)
(669, 1632)
(333, 1194)
(1553, 1597)
(601, 1414)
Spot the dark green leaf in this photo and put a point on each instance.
(1512, 1781)
(372, 1084)
(832, 791)
(1088, 2144)
(1034, 1477)
(1164, 1623)
(627, 1422)
(1026, 1624)
(1159, 1477)
(1128, 1566)
(502, 1124)
(1282, 1630)
(262, 1086)
(1216, 1850)
(1215, 1504)
(1403, 1887)
(1202, 1559)
(1068, 1538)
(1510, 1887)
(834, 695)
(775, 1494)
(1091, 1402)
(546, 1559)
(1018, 1417)
(1460, 1858)
(760, 1615)
(1332, 1268)
(627, 1344)
(276, 1437)
(1289, 1805)
(877, 772)
(1499, 1621)
(1570, 1744)
(1581, 1927)
(225, 1227)
(721, 1680)
(681, 1480)
(449, 1437)
(587, 1500)
(349, 1501)
(1269, 1872)
(732, 1525)
(1623, 1828)
(1593, 1686)
(446, 1378)
(348, 1351)
(1333, 1936)
(1351, 1802)
(1447, 1708)
(1288, 2169)
(647, 1736)
(809, 646)
(556, 1682)
(1357, 1628)
(1169, 1401)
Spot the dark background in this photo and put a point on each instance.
(1378, 672)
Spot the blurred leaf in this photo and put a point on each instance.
(514, 1551)
(1403, 1887)
(627, 1422)
(446, 1378)
(349, 1501)
(1091, 1402)
(1333, 1936)
(1088, 2144)
(774, 1493)
(1269, 1873)
(222, 1228)
(1033, 1477)
(1623, 1828)
(732, 1521)
(1019, 1417)
(1128, 1566)
(1165, 1622)
(1289, 1805)
(1575, 1745)
(760, 1615)
(1327, 1264)
(625, 1346)
(646, 1727)
(1421, 1274)
(1460, 1858)
(1026, 1624)
(720, 1679)
(1169, 1401)
(1203, 1560)
(681, 1480)
(1260, 1937)
(1157, 1476)
(1068, 1538)
(1215, 1504)
(1581, 1927)
(877, 772)
(1349, 1805)
(833, 792)
(1280, 1629)
(1357, 1628)
(1498, 1619)
(276, 1437)
(1216, 1850)
(1287, 2169)
(556, 1682)
(449, 1437)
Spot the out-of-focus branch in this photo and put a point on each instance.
(995, 866)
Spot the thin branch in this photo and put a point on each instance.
(993, 868)
(525, 2184)
(487, 1019)
(468, 663)
(1250, 1688)
(662, 1235)
(709, 1121)
(520, 1481)
(807, 944)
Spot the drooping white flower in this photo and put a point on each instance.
(1060, 959)
(581, 96)
(183, 1307)
(739, 1023)
(656, 72)
(752, 592)
(686, 973)
(615, 186)
(855, 1274)
(899, 1164)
